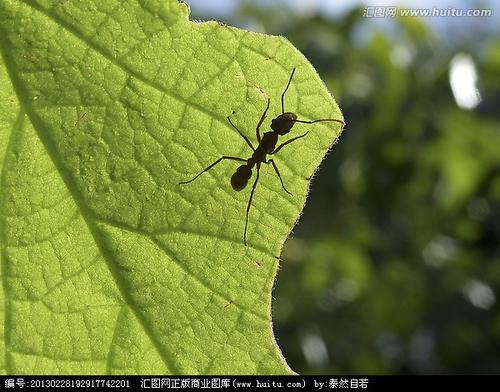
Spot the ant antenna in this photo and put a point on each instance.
(315, 121)
(283, 95)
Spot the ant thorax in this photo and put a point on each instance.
(265, 147)
(268, 143)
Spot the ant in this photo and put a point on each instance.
(280, 126)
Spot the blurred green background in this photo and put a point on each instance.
(394, 267)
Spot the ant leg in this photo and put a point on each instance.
(257, 130)
(288, 142)
(283, 95)
(212, 165)
(250, 203)
(279, 175)
(243, 136)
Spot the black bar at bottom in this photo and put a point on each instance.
(263, 383)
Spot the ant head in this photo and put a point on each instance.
(283, 123)
(239, 179)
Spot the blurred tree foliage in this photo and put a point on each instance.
(394, 267)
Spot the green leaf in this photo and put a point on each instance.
(108, 264)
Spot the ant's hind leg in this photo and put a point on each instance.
(279, 175)
(250, 204)
(212, 165)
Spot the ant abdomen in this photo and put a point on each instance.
(239, 179)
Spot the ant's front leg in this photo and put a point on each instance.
(270, 161)
(241, 133)
(257, 130)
